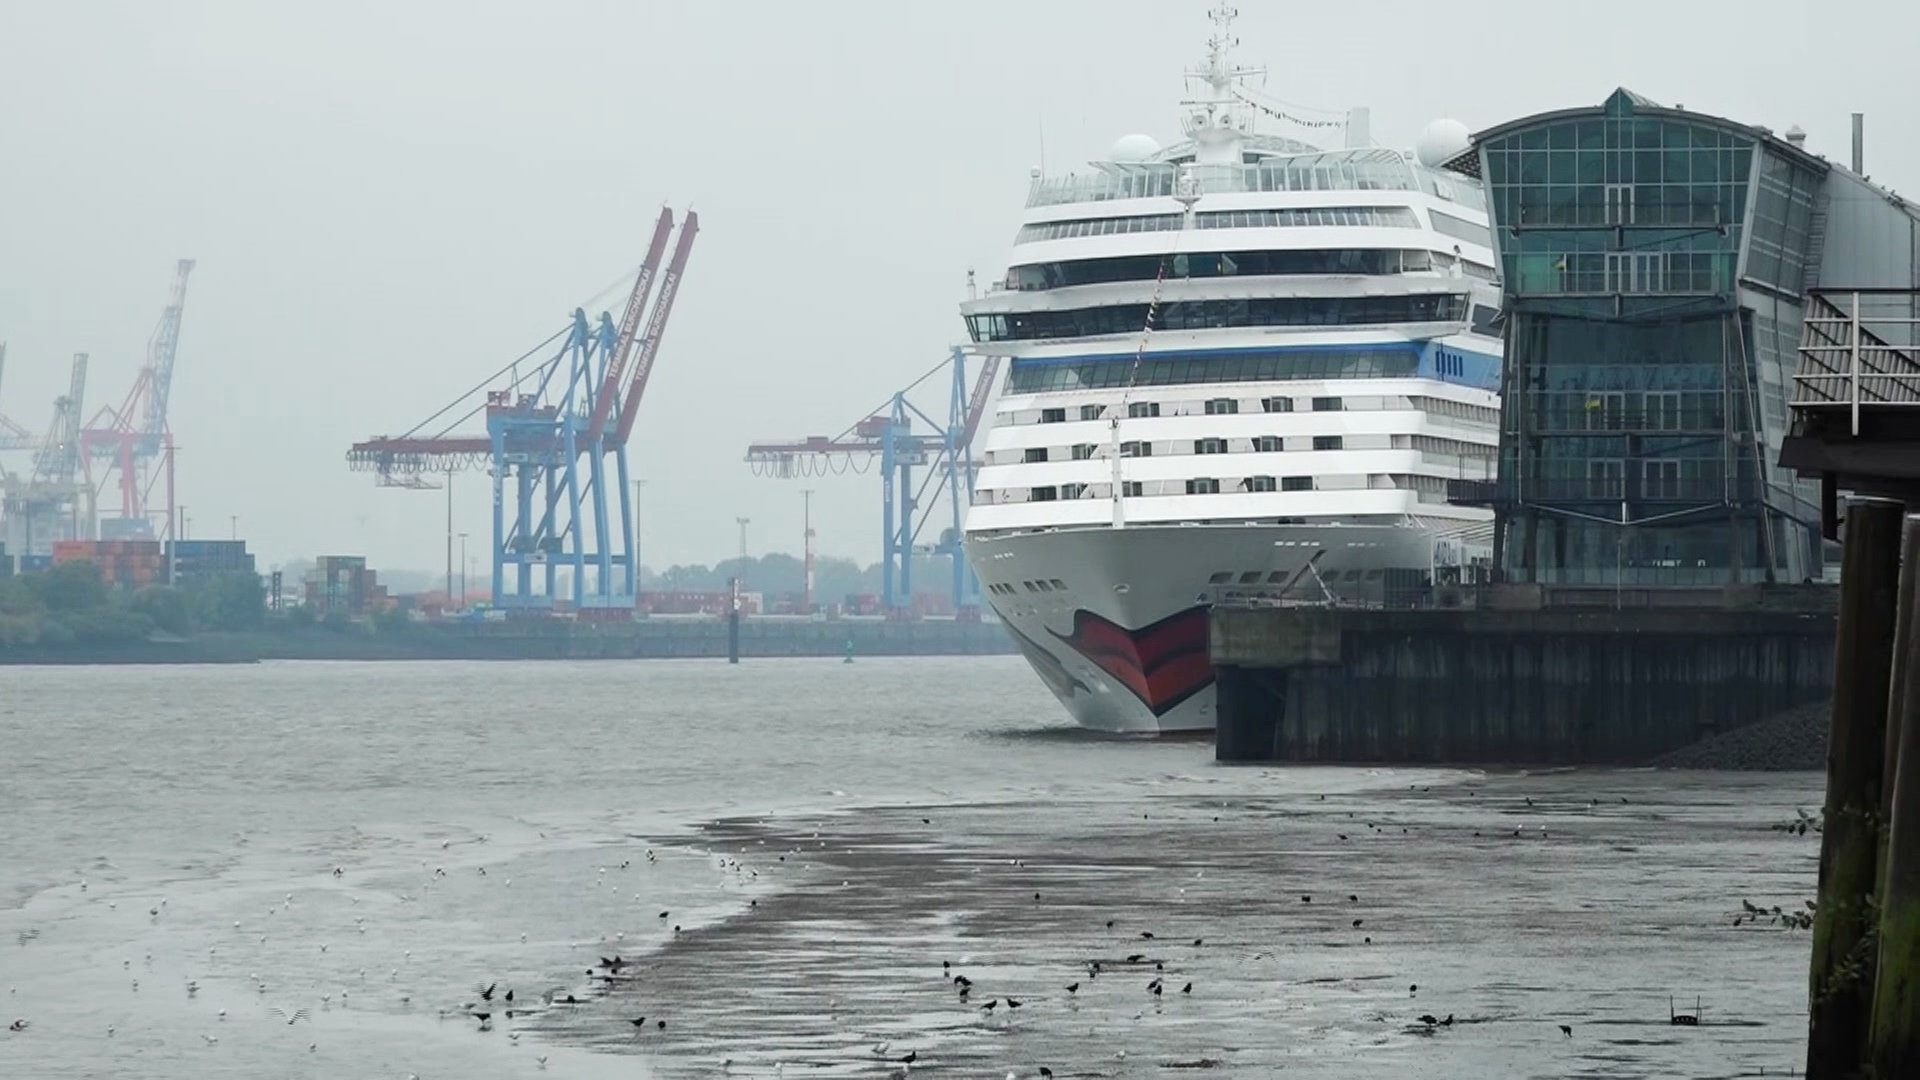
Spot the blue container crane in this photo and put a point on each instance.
(553, 434)
(942, 448)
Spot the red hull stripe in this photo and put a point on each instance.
(1164, 663)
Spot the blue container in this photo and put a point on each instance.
(36, 562)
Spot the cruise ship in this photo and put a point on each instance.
(1240, 367)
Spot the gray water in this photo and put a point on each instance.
(820, 837)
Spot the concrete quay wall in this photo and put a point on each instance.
(1302, 684)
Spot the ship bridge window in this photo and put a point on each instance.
(1328, 404)
(1483, 320)
(1251, 577)
(1276, 404)
(1260, 483)
(1461, 229)
(1268, 444)
(1136, 449)
(1296, 483)
(1138, 409)
(1203, 486)
(1083, 451)
(1221, 406)
(1039, 277)
(1044, 494)
(1327, 442)
(1053, 416)
(1035, 453)
(1210, 314)
(1132, 489)
(1072, 491)
(1393, 217)
(1209, 446)
(1091, 412)
(1030, 376)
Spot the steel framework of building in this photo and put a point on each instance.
(888, 434)
(550, 433)
(135, 441)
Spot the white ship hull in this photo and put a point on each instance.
(1116, 625)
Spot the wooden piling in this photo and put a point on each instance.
(733, 620)
(1894, 1040)
(1842, 983)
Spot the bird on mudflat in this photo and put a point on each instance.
(291, 1018)
(1567, 1031)
(640, 1023)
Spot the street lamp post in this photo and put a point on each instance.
(463, 571)
(639, 486)
(449, 534)
(233, 526)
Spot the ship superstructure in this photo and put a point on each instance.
(1240, 362)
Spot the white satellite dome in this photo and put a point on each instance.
(1134, 148)
(1441, 142)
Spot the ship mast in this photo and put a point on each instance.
(1215, 118)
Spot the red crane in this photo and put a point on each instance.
(135, 440)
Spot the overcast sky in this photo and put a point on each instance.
(390, 200)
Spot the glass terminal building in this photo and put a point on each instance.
(1654, 264)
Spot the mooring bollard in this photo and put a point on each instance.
(1894, 1041)
(1842, 983)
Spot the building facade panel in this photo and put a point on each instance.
(1654, 263)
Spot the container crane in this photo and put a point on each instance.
(12, 435)
(45, 506)
(134, 443)
(549, 434)
(905, 509)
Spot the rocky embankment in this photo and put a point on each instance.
(1792, 740)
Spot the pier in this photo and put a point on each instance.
(1524, 675)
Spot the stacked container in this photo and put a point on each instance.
(343, 583)
(207, 558)
(132, 563)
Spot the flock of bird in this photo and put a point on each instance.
(612, 971)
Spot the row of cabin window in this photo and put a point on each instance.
(1442, 408)
(1427, 445)
(1429, 488)
(1214, 407)
(1038, 585)
(1261, 444)
(1196, 486)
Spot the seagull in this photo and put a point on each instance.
(640, 1023)
(542, 1059)
(211, 1039)
(17, 1025)
(1073, 988)
(1567, 1031)
(487, 994)
(291, 1018)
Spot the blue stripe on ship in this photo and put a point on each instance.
(1442, 363)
